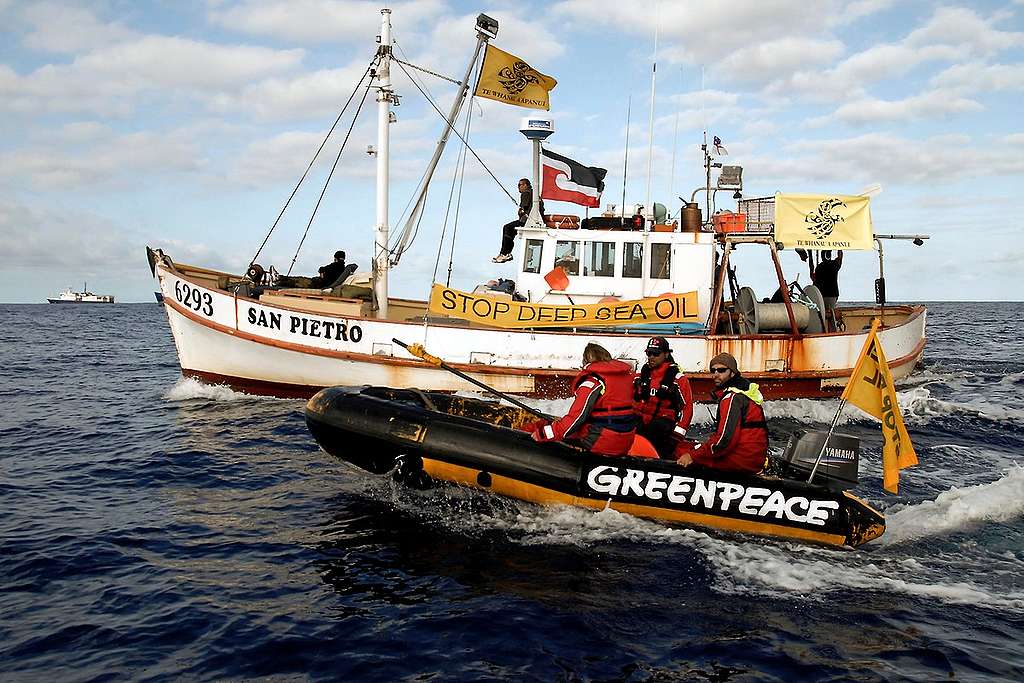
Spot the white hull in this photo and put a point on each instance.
(290, 351)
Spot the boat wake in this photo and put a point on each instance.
(918, 405)
(776, 569)
(781, 569)
(956, 509)
(187, 389)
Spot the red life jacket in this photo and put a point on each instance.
(663, 392)
(740, 442)
(601, 416)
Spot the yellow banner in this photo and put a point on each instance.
(489, 310)
(872, 390)
(506, 78)
(818, 221)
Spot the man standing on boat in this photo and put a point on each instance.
(509, 230)
(826, 278)
(601, 417)
(662, 399)
(740, 441)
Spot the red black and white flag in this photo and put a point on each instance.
(566, 180)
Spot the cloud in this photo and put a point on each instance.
(980, 77)
(933, 104)
(284, 156)
(109, 80)
(319, 20)
(77, 132)
(306, 96)
(949, 35)
(764, 60)
(698, 33)
(854, 11)
(104, 158)
(890, 159)
(962, 29)
(66, 29)
(43, 238)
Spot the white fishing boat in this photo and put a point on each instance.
(69, 296)
(614, 279)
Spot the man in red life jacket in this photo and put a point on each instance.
(740, 442)
(601, 417)
(662, 399)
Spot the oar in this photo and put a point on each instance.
(421, 353)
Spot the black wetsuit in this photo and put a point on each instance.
(508, 231)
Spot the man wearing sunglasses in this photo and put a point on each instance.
(740, 441)
(662, 399)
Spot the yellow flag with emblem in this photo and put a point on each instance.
(507, 78)
(819, 221)
(872, 389)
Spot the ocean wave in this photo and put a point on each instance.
(958, 508)
(935, 376)
(779, 569)
(1011, 380)
(811, 411)
(918, 405)
(188, 388)
(783, 571)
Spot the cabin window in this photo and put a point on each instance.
(567, 256)
(632, 259)
(661, 260)
(600, 259)
(531, 260)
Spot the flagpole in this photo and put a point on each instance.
(831, 428)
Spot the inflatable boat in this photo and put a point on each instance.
(422, 438)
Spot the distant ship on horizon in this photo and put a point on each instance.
(68, 296)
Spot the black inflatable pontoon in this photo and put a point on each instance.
(421, 437)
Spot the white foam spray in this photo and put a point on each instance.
(744, 565)
(188, 388)
(957, 508)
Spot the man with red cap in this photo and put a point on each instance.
(662, 399)
(740, 441)
(601, 417)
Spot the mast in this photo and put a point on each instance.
(384, 97)
(486, 28)
(650, 125)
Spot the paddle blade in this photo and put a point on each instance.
(557, 279)
(642, 448)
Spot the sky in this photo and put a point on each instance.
(185, 125)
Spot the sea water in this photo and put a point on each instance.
(155, 528)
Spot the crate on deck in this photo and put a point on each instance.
(727, 221)
(760, 213)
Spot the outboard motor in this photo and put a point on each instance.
(837, 469)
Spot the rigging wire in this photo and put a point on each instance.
(313, 160)
(458, 175)
(403, 241)
(458, 207)
(464, 141)
(423, 175)
(330, 175)
(420, 68)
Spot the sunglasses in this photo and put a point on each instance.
(654, 353)
(719, 371)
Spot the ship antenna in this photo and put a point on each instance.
(650, 124)
(675, 136)
(625, 158)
